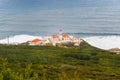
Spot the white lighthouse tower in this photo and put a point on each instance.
(60, 34)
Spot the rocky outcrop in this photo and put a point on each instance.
(115, 50)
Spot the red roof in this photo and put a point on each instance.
(65, 36)
(36, 40)
(54, 36)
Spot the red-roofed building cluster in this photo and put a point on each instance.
(55, 39)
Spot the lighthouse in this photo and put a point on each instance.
(60, 31)
(60, 34)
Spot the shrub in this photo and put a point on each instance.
(93, 53)
(78, 56)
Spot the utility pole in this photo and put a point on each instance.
(8, 39)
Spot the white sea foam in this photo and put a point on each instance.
(18, 39)
(104, 42)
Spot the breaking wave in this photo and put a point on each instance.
(103, 42)
(18, 39)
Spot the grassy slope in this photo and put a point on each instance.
(85, 61)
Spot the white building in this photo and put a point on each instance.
(54, 39)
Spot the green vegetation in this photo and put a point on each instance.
(22, 62)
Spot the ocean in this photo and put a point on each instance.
(98, 25)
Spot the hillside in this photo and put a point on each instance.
(58, 63)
